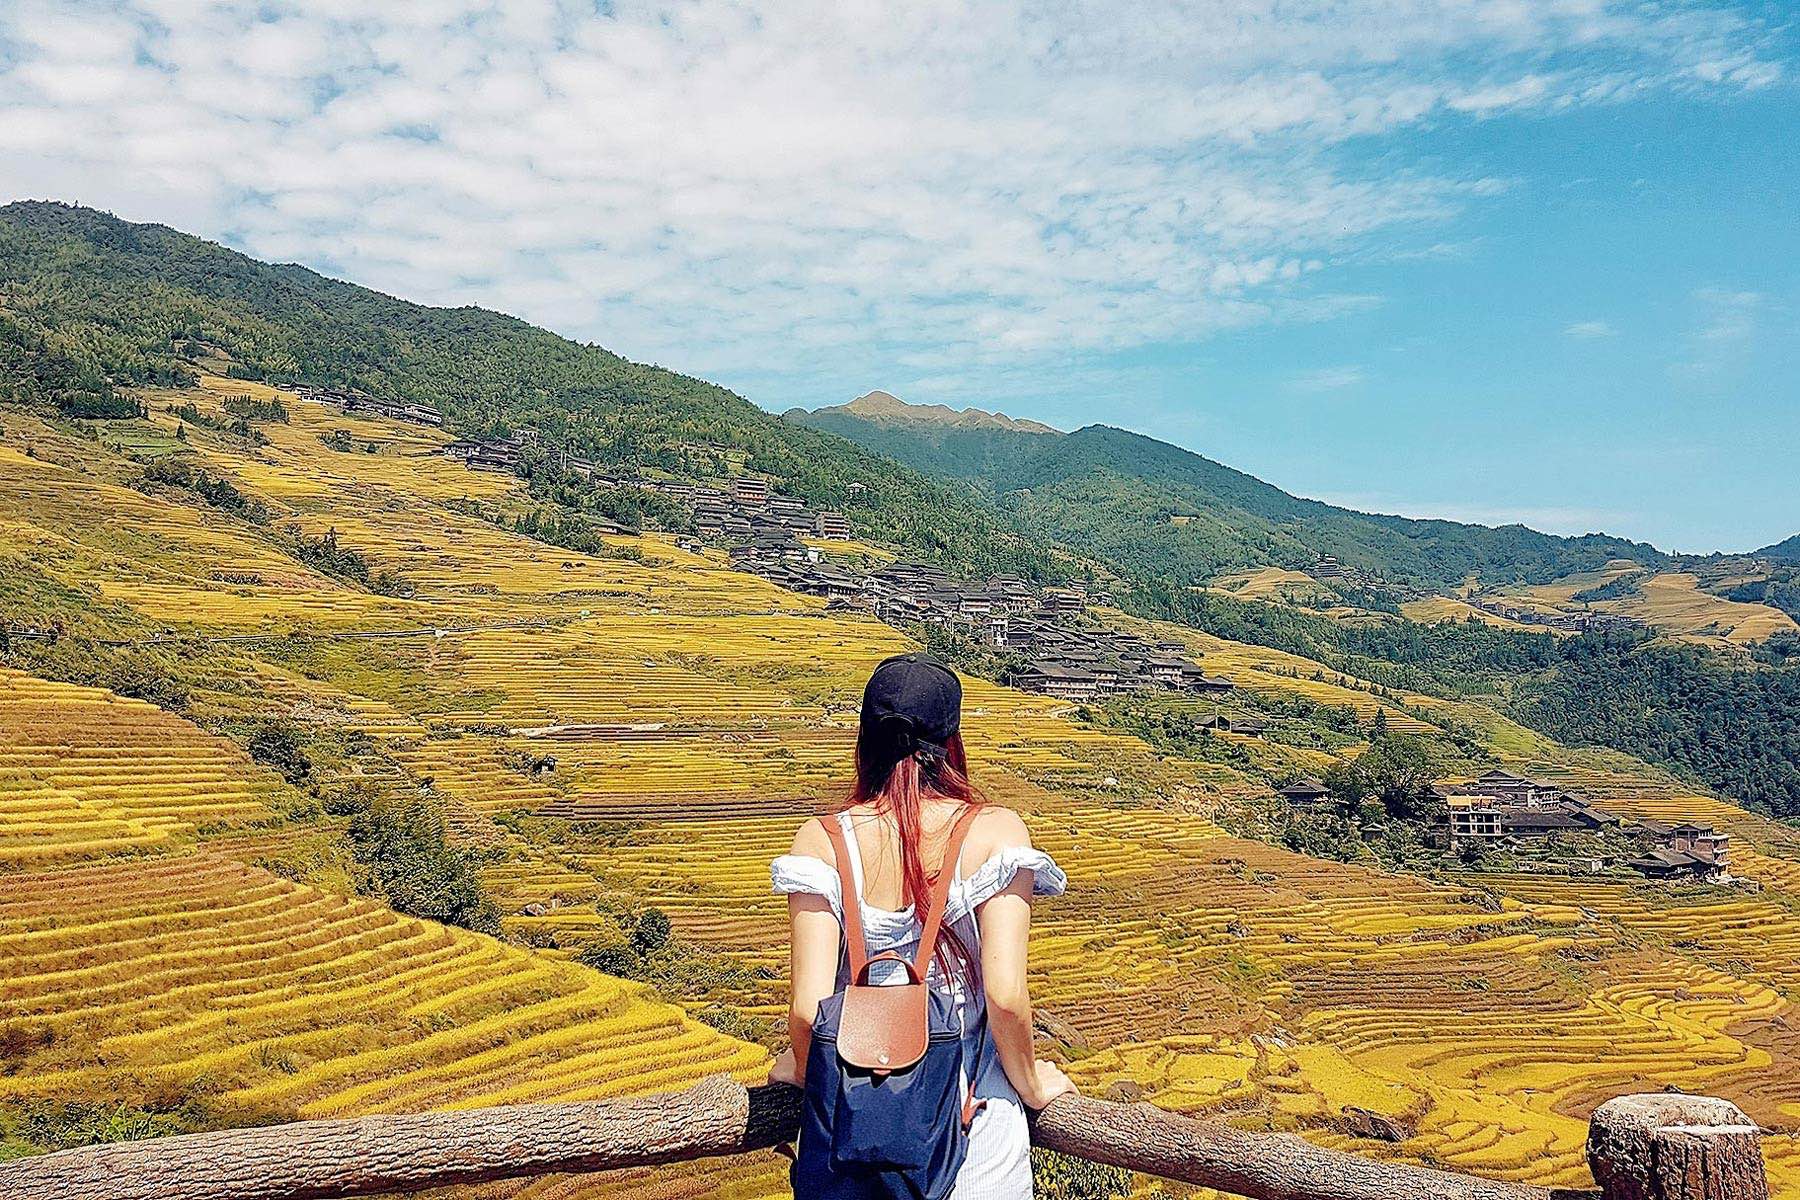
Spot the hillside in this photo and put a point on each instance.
(97, 313)
(197, 946)
(1787, 550)
(1154, 509)
(90, 304)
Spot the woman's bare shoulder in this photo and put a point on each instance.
(812, 840)
(997, 827)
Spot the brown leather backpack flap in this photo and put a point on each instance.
(883, 1028)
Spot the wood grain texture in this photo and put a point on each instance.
(317, 1160)
(1666, 1146)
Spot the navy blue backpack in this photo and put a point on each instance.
(888, 1100)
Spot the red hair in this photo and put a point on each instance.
(900, 787)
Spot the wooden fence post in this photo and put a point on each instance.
(1669, 1146)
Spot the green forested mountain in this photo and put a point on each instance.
(1150, 507)
(1735, 726)
(90, 303)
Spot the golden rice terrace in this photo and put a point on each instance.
(645, 727)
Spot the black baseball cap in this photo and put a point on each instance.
(915, 700)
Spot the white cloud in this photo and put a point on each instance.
(725, 186)
(1728, 316)
(1727, 321)
(1588, 331)
(1326, 379)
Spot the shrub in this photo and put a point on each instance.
(612, 959)
(219, 493)
(250, 409)
(276, 745)
(651, 933)
(403, 854)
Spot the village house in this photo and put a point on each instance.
(1065, 683)
(1482, 820)
(1011, 595)
(774, 545)
(1306, 792)
(1513, 789)
(1170, 672)
(833, 525)
(1244, 726)
(750, 490)
(1688, 851)
(832, 583)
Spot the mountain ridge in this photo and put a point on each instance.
(1132, 498)
(91, 304)
(1786, 550)
(885, 406)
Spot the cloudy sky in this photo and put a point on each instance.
(1490, 259)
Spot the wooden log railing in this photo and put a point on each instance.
(1650, 1147)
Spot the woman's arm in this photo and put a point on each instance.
(813, 936)
(1005, 921)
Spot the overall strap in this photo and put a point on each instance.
(847, 867)
(940, 888)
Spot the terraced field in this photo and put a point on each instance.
(1671, 601)
(288, 1001)
(86, 774)
(692, 714)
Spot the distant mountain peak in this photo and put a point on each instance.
(885, 406)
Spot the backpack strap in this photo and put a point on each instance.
(940, 888)
(854, 941)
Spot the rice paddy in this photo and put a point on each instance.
(1672, 602)
(647, 730)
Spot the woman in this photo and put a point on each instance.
(911, 787)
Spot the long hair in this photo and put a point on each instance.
(896, 779)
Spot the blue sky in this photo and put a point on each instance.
(1612, 343)
(1488, 259)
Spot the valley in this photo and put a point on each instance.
(640, 727)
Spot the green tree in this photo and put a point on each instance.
(401, 847)
(651, 933)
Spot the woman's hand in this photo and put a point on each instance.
(786, 1070)
(1048, 1082)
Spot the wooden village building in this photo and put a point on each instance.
(1685, 851)
(1306, 792)
(1501, 805)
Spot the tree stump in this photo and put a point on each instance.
(1667, 1146)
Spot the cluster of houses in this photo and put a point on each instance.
(350, 400)
(1327, 569)
(1067, 658)
(751, 512)
(758, 522)
(507, 454)
(1581, 622)
(1689, 850)
(1500, 807)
